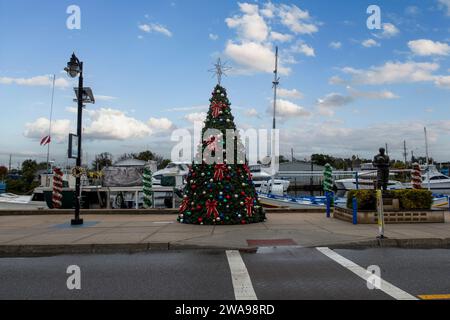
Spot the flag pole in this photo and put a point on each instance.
(50, 125)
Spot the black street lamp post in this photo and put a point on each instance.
(75, 68)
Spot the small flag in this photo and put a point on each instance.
(46, 140)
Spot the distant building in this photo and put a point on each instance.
(300, 166)
(300, 181)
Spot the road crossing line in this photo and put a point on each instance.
(242, 284)
(385, 286)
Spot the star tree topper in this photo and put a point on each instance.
(220, 70)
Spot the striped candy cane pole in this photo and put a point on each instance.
(416, 177)
(57, 188)
(327, 178)
(147, 188)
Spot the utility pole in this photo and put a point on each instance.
(387, 150)
(405, 154)
(292, 154)
(9, 167)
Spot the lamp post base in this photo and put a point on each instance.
(76, 222)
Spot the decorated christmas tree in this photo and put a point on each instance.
(221, 191)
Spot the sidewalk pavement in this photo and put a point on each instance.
(52, 234)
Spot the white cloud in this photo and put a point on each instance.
(104, 98)
(256, 25)
(369, 43)
(336, 80)
(425, 47)
(250, 26)
(38, 129)
(388, 95)
(335, 45)
(196, 117)
(303, 48)
(111, 124)
(251, 113)
(394, 72)
(213, 36)
(296, 19)
(445, 5)
(292, 94)
(162, 124)
(254, 56)
(46, 80)
(154, 27)
(280, 37)
(443, 81)
(287, 109)
(269, 10)
(389, 31)
(326, 106)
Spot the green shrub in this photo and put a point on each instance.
(366, 199)
(414, 199)
(409, 199)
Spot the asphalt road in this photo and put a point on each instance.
(286, 273)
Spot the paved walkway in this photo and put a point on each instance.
(139, 232)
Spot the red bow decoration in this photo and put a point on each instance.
(184, 205)
(216, 108)
(249, 205)
(211, 206)
(219, 170)
(212, 143)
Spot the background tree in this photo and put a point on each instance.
(3, 172)
(101, 161)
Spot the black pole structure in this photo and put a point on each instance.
(74, 69)
(77, 221)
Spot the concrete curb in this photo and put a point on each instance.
(136, 212)
(53, 250)
(420, 243)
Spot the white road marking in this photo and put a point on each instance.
(242, 284)
(386, 287)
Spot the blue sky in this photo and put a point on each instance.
(345, 89)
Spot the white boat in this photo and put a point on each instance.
(366, 180)
(436, 181)
(10, 201)
(365, 184)
(260, 177)
(172, 169)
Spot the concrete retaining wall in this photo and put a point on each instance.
(411, 216)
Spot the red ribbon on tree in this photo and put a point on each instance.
(212, 143)
(219, 170)
(216, 108)
(211, 206)
(249, 205)
(184, 205)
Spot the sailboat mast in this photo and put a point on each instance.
(276, 82)
(50, 125)
(428, 158)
